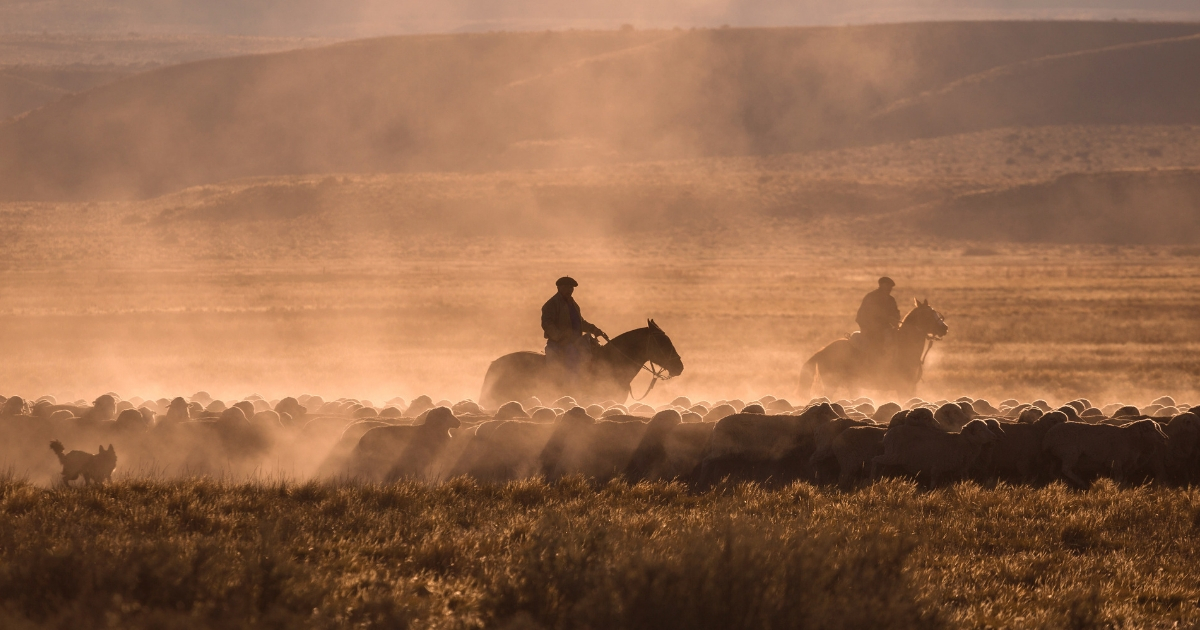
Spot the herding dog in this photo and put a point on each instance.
(94, 468)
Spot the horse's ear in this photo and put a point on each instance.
(926, 302)
(916, 302)
(653, 326)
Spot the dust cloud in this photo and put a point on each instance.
(382, 218)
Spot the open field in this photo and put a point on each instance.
(1034, 322)
(406, 284)
(382, 218)
(142, 553)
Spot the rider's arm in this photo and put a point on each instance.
(591, 328)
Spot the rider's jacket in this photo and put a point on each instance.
(878, 312)
(562, 321)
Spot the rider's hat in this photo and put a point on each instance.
(886, 282)
(566, 281)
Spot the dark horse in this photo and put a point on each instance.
(842, 365)
(519, 375)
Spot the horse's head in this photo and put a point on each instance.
(925, 320)
(662, 351)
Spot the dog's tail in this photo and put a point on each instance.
(58, 449)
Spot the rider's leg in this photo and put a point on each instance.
(556, 362)
(571, 365)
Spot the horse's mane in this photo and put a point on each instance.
(914, 310)
(629, 334)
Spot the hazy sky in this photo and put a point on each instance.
(349, 18)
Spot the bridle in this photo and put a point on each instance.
(928, 342)
(657, 373)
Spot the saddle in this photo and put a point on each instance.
(866, 352)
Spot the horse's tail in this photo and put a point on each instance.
(487, 394)
(808, 374)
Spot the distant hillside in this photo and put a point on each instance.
(19, 94)
(1134, 207)
(534, 100)
(366, 18)
(1154, 82)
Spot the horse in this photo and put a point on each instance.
(608, 377)
(842, 365)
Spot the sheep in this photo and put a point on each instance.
(855, 448)
(177, 411)
(823, 436)
(337, 459)
(919, 417)
(15, 406)
(506, 451)
(1183, 447)
(467, 408)
(267, 418)
(779, 406)
(984, 408)
(131, 420)
(1017, 453)
(293, 408)
(954, 416)
(573, 422)
(103, 409)
(404, 451)
(763, 447)
(246, 407)
(511, 410)
(600, 450)
(924, 450)
(419, 405)
(719, 412)
(648, 459)
(1070, 412)
(1121, 450)
(542, 415)
(885, 412)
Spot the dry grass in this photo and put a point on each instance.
(202, 553)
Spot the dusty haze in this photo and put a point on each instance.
(384, 217)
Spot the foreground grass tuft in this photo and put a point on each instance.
(201, 553)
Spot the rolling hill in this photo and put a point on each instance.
(19, 94)
(482, 102)
(1145, 82)
(1118, 208)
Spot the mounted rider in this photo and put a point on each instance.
(878, 318)
(564, 327)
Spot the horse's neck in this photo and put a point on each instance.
(911, 341)
(630, 347)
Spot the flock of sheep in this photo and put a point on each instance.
(768, 440)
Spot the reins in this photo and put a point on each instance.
(928, 343)
(657, 372)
